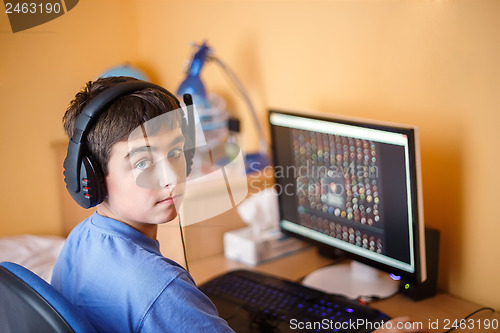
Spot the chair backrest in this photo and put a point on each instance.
(30, 304)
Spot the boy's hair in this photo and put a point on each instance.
(124, 115)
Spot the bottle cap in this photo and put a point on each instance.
(234, 124)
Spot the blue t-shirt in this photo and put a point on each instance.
(119, 278)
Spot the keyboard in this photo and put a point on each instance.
(251, 301)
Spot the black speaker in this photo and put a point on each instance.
(428, 288)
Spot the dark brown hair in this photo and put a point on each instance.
(124, 115)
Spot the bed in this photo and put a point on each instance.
(37, 253)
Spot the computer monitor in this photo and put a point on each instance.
(352, 185)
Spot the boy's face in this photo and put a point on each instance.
(146, 178)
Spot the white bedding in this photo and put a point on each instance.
(37, 253)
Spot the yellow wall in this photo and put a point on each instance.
(41, 69)
(431, 64)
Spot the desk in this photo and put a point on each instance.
(441, 310)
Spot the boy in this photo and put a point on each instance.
(111, 266)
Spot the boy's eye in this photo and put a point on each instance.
(175, 153)
(143, 164)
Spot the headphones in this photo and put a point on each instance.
(84, 178)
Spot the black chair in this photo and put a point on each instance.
(30, 304)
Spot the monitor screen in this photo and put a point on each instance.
(351, 185)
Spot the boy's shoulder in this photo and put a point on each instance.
(119, 247)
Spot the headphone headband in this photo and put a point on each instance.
(99, 103)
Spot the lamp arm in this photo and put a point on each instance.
(263, 149)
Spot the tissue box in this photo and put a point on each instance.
(244, 246)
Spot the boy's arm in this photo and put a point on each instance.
(182, 307)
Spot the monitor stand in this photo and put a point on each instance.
(352, 279)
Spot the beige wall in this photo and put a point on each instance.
(431, 64)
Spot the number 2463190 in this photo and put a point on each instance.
(471, 324)
(32, 8)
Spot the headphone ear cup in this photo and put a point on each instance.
(92, 184)
(189, 155)
(189, 130)
(189, 148)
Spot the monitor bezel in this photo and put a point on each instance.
(420, 273)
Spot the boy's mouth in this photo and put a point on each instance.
(169, 200)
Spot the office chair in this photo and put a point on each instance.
(30, 304)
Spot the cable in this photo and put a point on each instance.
(470, 315)
(183, 245)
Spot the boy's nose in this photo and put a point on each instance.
(166, 173)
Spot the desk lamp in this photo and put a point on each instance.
(193, 85)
